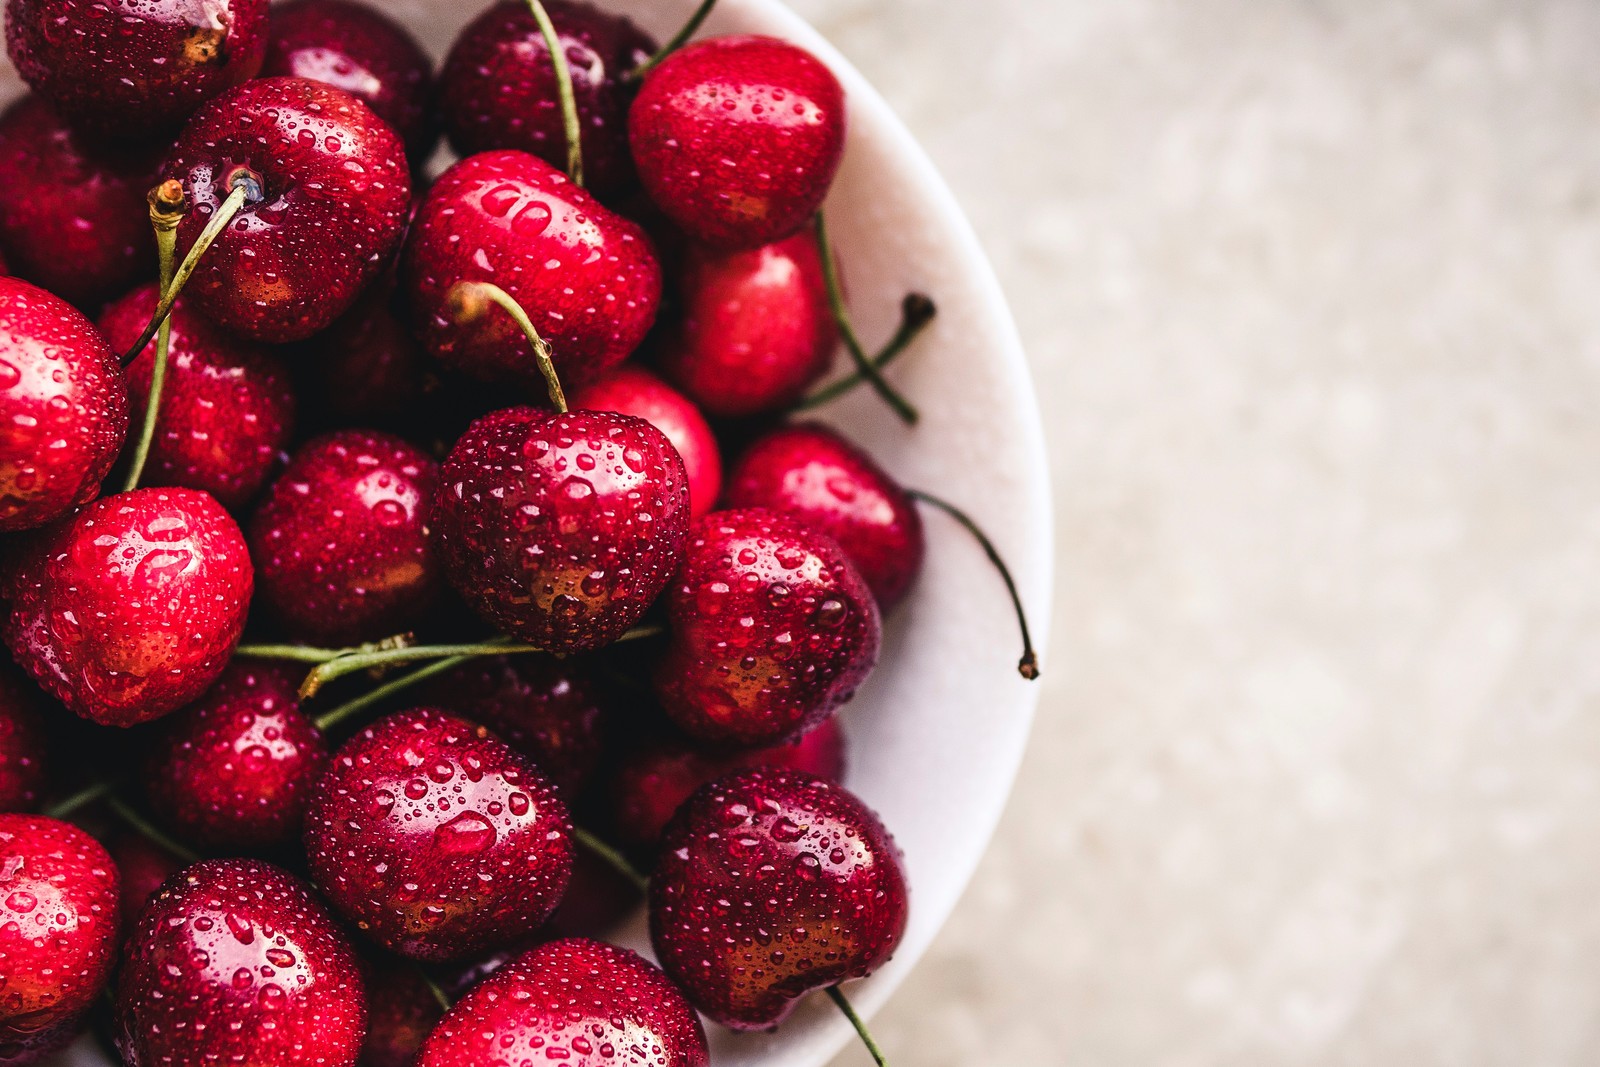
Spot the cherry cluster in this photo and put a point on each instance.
(521, 651)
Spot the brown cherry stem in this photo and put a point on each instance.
(838, 997)
(166, 211)
(916, 312)
(564, 94)
(471, 300)
(678, 40)
(847, 331)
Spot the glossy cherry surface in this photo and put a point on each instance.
(632, 390)
(24, 743)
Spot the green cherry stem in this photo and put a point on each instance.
(841, 317)
(350, 662)
(471, 300)
(127, 814)
(291, 653)
(166, 211)
(82, 798)
(916, 312)
(400, 682)
(856, 1021)
(439, 995)
(569, 102)
(679, 39)
(612, 858)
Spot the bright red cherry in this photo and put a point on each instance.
(772, 629)
(63, 407)
(738, 138)
(342, 542)
(24, 743)
(145, 867)
(131, 608)
(401, 1012)
(328, 192)
(632, 390)
(235, 962)
(771, 884)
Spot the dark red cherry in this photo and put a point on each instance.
(58, 932)
(814, 474)
(235, 961)
(632, 390)
(401, 1012)
(63, 407)
(234, 770)
(341, 541)
(586, 277)
(737, 138)
(24, 742)
(561, 529)
(498, 86)
(771, 884)
(227, 408)
(367, 369)
(358, 48)
(72, 208)
(578, 1002)
(772, 629)
(756, 330)
(145, 867)
(598, 898)
(131, 608)
(437, 839)
(127, 68)
(329, 191)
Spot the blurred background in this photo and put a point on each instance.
(1312, 296)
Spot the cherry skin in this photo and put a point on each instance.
(63, 407)
(814, 474)
(587, 278)
(498, 87)
(131, 608)
(737, 139)
(561, 529)
(632, 390)
(227, 408)
(145, 867)
(435, 838)
(58, 931)
(235, 961)
(357, 48)
(342, 542)
(126, 69)
(234, 770)
(24, 743)
(772, 884)
(401, 1012)
(72, 208)
(329, 195)
(772, 629)
(582, 1002)
(367, 369)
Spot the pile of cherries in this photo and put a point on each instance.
(520, 650)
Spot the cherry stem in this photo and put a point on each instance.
(569, 102)
(1028, 665)
(83, 797)
(470, 299)
(916, 312)
(612, 858)
(292, 653)
(126, 813)
(350, 662)
(439, 995)
(166, 211)
(335, 716)
(856, 1021)
(679, 39)
(841, 317)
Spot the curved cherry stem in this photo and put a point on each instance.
(166, 211)
(337, 715)
(82, 798)
(471, 300)
(838, 997)
(678, 40)
(1028, 665)
(841, 317)
(127, 814)
(564, 94)
(916, 312)
(612, 858)
(291, 653)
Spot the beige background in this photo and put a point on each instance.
(1312, 294)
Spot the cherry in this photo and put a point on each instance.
(235, 961)
(632, 390)
(772, 629)
(498, 87)
(72, 208)
(63, 407)
(58, 931)
(368, 369)
(24, 744)
(234, 770)
(738, 138)
(131, 608)
(145, 867)
(598, 898)
(561, 529)
(325, 190)
(342, 540)
(401, 1011)
(771, 884)
(582, 1002)
(814, 474)
(357, 48)
(227, 406)
(587, 277)
(437, 839)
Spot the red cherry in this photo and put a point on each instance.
(598, 898)
(814, 474)
(145, 867)
(632, 390)
(328, 194)
(401, 1012)
(436, 838)
(587, 278)
(772, 884)
(342, 541)
(63, 407)
(235, 961)
(582, 1002)
(131, 608)
(772, 629)
(368, 368)
(24, 743)
(561, 528)
(738, 138)
(227, 408)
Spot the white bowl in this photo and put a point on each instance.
(937, 732)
